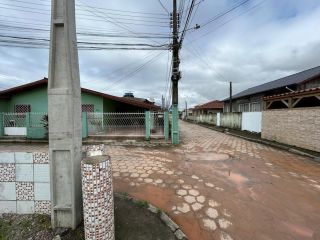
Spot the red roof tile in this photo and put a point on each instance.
(215, 104)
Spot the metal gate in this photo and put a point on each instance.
(157, 124)
(14, 124)
(116, 124)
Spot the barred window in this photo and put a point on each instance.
(244, 107)
(255, 107)
(22, 108)
(87, 108)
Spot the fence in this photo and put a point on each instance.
(121, 124)
(34, 125)
(14, 124)
(31, 125)
(231, 120)
(249, 121)
(148, 124)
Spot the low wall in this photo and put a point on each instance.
(24, 183)
(231, 120)
(251, 121)
(297, 127)
(25, 180)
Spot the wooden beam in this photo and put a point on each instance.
(285, 103)
(269, 104)
(297, 101)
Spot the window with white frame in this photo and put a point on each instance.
(255, 107)
(244, 107)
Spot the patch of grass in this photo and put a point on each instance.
(158, 212)
(4, 229)
(142, 204)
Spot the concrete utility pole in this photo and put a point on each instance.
(230, 103)
(64, 109)
(176, 75)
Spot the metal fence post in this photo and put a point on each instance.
(152, 117)
(148, 125)
(166, 126)
(28, 126)
(1, 125)
(84, 125)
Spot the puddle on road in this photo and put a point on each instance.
(299, 230)
(236, 178)
(207, 156)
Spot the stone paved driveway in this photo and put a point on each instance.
(217, 186)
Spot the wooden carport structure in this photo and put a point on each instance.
(303, 98)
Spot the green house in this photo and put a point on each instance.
(27, 105)
(32, 97)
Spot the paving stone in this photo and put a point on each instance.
(196, 206)
(182, 192)
(225, 236)
(212, 213)
(201, 199)
(213, 203)
(209, 224)
(224, 223)
(184, 208)
(194, 192)
(190, 199)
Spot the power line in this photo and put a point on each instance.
(165, 9)
(131, 74)
(187, 22)
(228, 21)
(225, 13)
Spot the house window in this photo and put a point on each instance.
(255, 107)
(244, 107)
(87, 108)
(22, 108)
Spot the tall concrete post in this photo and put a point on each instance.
(64, 111)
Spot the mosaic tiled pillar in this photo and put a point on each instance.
(97, 198)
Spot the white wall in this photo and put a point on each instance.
(251, 121)
(15, 131)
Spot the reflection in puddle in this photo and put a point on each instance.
(300, 230)
(207, 156)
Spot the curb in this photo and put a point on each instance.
(272, 144)
(162, 215)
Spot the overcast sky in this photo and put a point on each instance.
(258, 42)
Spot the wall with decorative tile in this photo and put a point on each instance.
(24, 183)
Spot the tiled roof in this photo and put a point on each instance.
(215, 104)
(44, 82)
(297, 78)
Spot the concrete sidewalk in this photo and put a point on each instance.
(216, 186)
